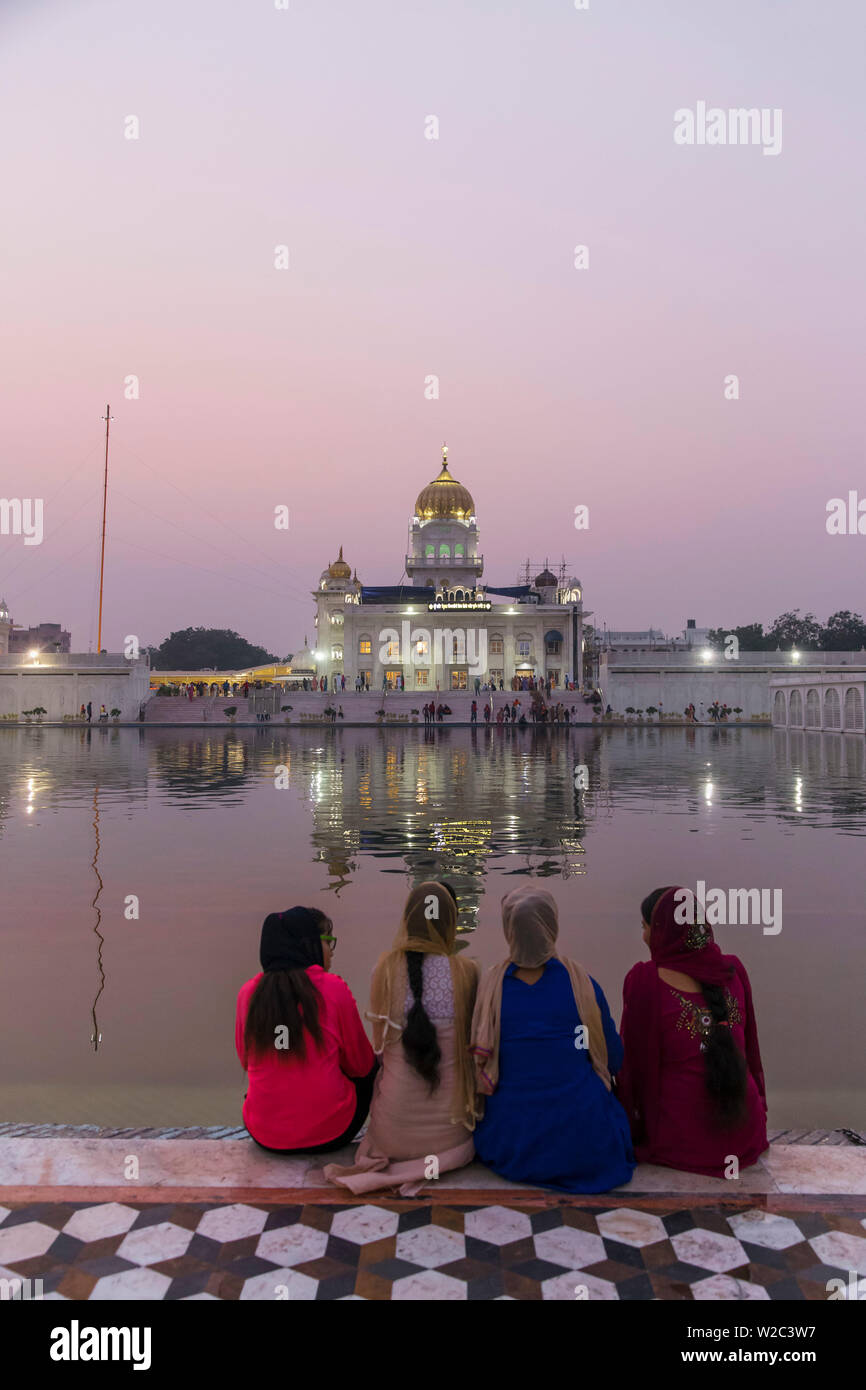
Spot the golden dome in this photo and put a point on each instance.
(444, 497)
(339, 569)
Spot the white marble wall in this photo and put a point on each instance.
(62, 688)
(674, 684)
(673, 689)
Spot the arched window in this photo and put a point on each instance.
(444, 551)
(780, 713)
(430, 551)
(458, 596)
(813, 710)
(795, 709)
(853, 708)
(459, 552)
(832, 709)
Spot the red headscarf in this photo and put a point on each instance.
(686, 946)
(689, 948)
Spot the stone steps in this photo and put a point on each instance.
(358, 708)
(171, 709)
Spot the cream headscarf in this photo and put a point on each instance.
(531, 926)
(429, 925)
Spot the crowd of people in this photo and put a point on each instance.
(521, 1067)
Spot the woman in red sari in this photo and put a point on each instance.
(692, 1082)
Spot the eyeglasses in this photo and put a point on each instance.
(332, 942)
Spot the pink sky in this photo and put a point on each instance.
(411, 257)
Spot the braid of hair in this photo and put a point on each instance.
(420, 1039)
(725, 1071)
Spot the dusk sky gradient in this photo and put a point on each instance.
(411, 257)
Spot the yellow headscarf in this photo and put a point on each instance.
(429, 925)
(531, 926)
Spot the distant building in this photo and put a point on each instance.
(447, 626)
(47, 637)
(5, 627)
(653, 639)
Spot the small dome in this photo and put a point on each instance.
(304, 660)
(546, 580)
(339, 569)
(444, 498)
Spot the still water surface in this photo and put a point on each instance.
(110, 1019)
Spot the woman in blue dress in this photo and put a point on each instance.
(545, 1048)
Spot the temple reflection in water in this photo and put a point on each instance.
(444, 810)
(441, 805)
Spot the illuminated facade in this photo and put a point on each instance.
(445, 627)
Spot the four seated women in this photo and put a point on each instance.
(526, 1069)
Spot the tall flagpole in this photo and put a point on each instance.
(107, 419)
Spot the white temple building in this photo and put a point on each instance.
(446, 626)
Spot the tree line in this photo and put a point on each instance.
(843, 632)
(208, 648)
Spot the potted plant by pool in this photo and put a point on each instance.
(651, 710)
(738, 711)
(639, 713)
(380, 714)
(415, 713)
(230, 712)
(629, 709)
(115, 714)
(286, 710)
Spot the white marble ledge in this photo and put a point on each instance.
(174, 1163)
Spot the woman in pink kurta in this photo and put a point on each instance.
(299, 1036)
(692, 1082)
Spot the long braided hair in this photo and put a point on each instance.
(420, 1039)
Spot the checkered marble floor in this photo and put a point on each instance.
(418, 1249)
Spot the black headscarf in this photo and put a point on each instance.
(291, 940)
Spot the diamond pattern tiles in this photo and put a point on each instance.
(421, 1250)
